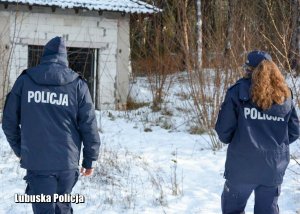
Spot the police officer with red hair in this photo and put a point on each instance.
(259, 121)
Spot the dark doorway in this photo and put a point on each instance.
(82, 60)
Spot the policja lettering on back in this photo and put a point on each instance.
(256, 115)
(48, 97)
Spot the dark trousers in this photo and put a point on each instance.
(48, 183)
(235, 196)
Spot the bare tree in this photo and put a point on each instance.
(6, 52)
(184, 25)
(155, 50)
(294, 53)
(199, 34)
(229, 28)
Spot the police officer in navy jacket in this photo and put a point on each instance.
(47, 116)
(258, 121)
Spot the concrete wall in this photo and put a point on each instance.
(85, 29)
(4, 55)
(123, 62)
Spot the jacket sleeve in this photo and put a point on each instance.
(88, 127)
(227, 120)
(293, 126)
(11, 118)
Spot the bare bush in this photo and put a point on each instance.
(122, 178)
(154, 52)
(230, 30)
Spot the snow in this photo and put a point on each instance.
(136, 170)
(127, 6)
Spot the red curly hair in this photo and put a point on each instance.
(268, 85)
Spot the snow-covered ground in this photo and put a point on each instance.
(149, 163)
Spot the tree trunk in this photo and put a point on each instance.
(229, 29)
(185, 34)
(298, 40)
(199, 34)
(208, 25)
(294, 55)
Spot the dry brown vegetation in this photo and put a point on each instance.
(169, 42)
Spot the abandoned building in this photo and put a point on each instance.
(96, 34)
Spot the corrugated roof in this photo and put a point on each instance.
(127, 6)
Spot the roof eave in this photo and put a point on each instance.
(151, 10)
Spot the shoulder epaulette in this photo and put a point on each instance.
(235, 84)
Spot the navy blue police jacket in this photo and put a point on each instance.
(48, 114)
(258, 150)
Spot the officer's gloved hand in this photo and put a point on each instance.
(86, 172)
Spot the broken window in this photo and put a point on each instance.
(82, 60)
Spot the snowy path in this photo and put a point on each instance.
(146, 163)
